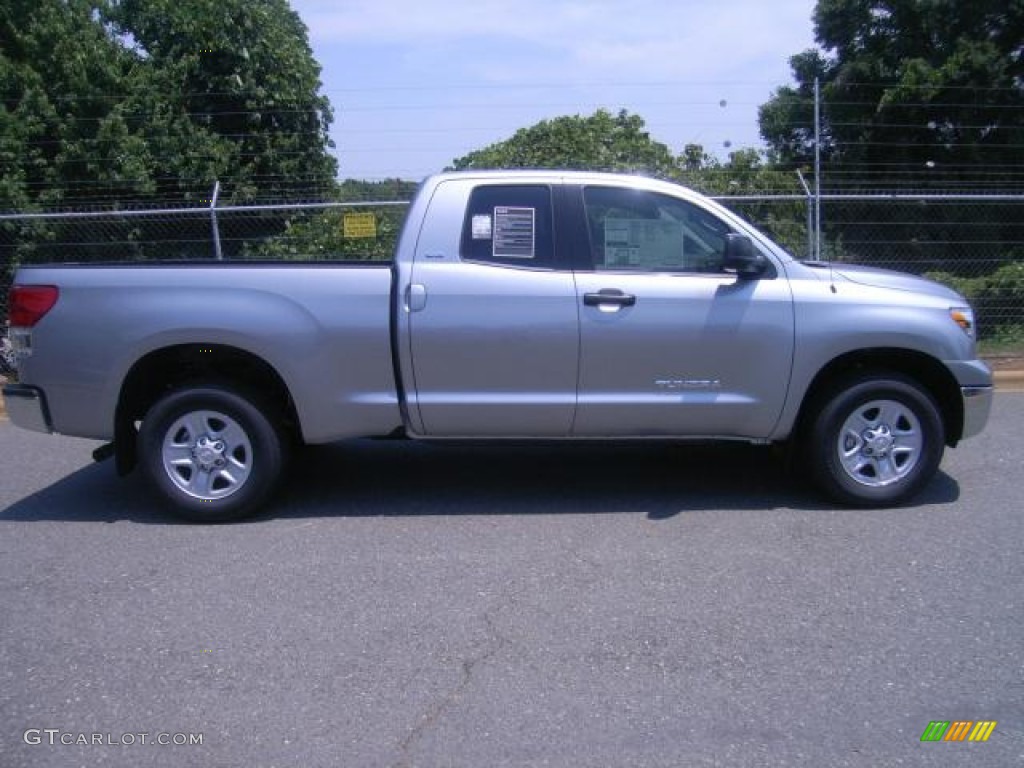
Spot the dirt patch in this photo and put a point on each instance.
(1005, 362)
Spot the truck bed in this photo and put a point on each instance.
(324, 327)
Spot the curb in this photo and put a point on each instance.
(1005, 381)
(1009, 381)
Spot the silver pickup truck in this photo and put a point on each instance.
(538, 305)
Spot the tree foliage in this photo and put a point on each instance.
(58, 69)
(916, 96)
(321, 235)
(600, 142)
(998, 296)
(747, 173)
(607, 142)
(243, 72)
(927, 92)
(115, 101)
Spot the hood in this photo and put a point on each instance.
(888, 278)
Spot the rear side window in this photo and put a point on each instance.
(509, 225)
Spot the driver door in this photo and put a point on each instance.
(670, 343)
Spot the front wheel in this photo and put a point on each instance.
(211, 452)
(876, 442)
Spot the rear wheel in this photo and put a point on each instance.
(876, 442)
(213, 453)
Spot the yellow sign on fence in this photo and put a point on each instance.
(359, 225)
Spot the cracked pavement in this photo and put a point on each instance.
(410, 605)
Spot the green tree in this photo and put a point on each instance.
(122, 103)
(244, 74)
(916, 96)
(748, 174)
(58, 71)
(321, 235)
(600, 142)
(924, 92)
(128, 101)
(606, 142)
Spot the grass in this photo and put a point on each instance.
(1006, 341)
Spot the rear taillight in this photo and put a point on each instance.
(28, 303)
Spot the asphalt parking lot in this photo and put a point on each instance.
(410, 605)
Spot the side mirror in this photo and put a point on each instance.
(741, 257)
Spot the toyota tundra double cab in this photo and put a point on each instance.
(542, 305)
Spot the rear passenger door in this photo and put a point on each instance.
(493, 320)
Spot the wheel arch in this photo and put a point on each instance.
(934, 377)
(163, 370)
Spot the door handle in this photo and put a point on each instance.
(416, 297)
(609, 297)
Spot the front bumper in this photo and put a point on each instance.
(26, 407)
(976, 393)
(977, 407)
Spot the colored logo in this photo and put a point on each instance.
(958, 730)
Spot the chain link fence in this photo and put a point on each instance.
(974, 243)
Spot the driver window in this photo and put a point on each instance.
(638, 231)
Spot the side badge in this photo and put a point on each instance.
(688, 385)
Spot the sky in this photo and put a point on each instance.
(415, 85)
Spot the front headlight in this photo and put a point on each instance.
(964, 317)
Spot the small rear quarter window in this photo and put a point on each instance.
(509, 224)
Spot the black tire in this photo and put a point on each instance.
(876, 442)
(213, 453)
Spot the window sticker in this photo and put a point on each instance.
(482, 227)
(643, 243)
(514, 232)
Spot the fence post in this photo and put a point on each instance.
(817, 169)
(219, 255)
(809, 199)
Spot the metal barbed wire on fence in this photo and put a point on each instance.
(969, 236)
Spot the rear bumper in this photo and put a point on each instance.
(26, 407)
